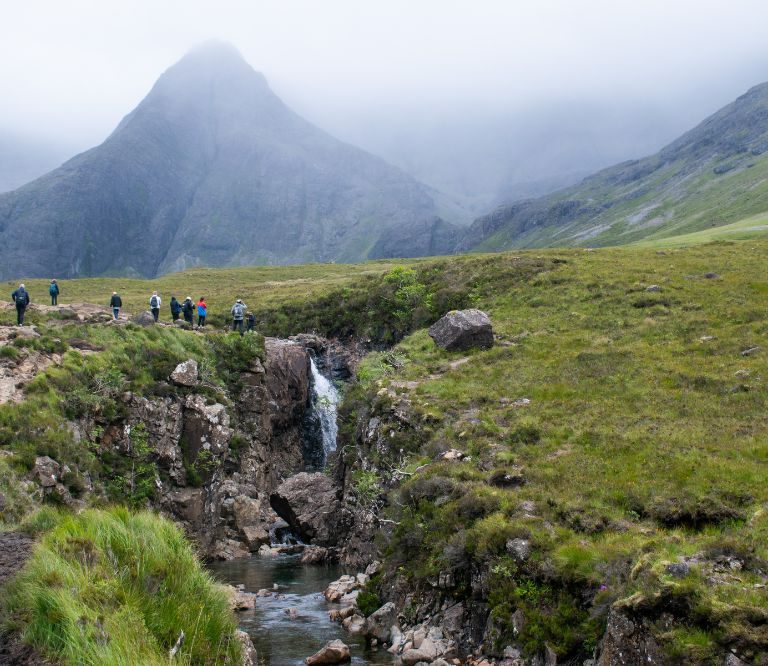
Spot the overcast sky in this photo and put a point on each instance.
(364, 69)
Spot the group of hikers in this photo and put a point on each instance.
(243, 320)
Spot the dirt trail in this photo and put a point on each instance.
(14, 551)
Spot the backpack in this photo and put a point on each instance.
(153, 302)
(53, 289)
(22, 298)
(237, 310)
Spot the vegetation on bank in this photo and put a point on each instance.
(90, 388)
(115, 587)
(618, 428)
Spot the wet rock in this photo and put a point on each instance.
(240, 600)
(354, 624)
(463, 329)
(379, 624)
(338, 588)
(143, 319)
(46, 471)
(292, 613)
(309, 504)
(335, 652)
(315, 555)
(250, 656)
(229, 549)
(186, 373)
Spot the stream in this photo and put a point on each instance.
(279, 640)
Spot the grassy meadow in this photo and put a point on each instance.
(619, 424)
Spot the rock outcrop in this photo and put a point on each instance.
(310, 505)
(463, 329)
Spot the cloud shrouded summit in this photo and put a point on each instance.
(211, 168)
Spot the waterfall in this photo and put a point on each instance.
(325, 399)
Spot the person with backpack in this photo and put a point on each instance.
(21, 298)
(54, 291)
(154, 305)
(115, 303)
(202, 311)
(250, 321)
(175, 308)
(188, 308)
(238, 314)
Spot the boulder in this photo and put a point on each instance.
(309, 504)
(46, 471)
(335, 652)
(250, 656)
(186, 373)
(379, 624)
(354, 624)
(240, 600)
(143, 319)
(338, 588)
(463, 329)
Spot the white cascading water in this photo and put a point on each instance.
(325, 399)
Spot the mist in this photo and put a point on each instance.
(485, 101)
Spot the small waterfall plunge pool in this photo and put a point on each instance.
(280, 640)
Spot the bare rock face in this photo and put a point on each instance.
(463, 329)
(335, 652)
(46, 471)
(628, 641)
(186, 373)
(309, 504)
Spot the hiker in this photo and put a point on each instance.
(115, 303)
(21, 298)
(250, 321)
(175, 308)
(54, 291)
(188, 307)
(202, 311)
(238, 313)
(154, 305)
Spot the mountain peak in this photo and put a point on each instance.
(214, 51)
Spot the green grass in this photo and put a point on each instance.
(113, 588)
(751, 228)
(645, 440)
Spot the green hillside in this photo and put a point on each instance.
(619, 431)
(714, 175)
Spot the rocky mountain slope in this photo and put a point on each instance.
(713, 175)
(210, 169)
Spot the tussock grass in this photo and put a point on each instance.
(115, 587)
(645, 441)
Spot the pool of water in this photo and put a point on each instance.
(280, 640)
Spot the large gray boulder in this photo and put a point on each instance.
(143, 319)
(463, 329)
(308, 503)
(379, 624)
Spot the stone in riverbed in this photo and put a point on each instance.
(463, 329)
(309, 504)
(379, 624)
(335, 652)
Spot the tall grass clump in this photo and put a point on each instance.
(116, 587)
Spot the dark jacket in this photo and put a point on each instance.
(188, 307)
(116, 301)
(20, 297)
(175, 306)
